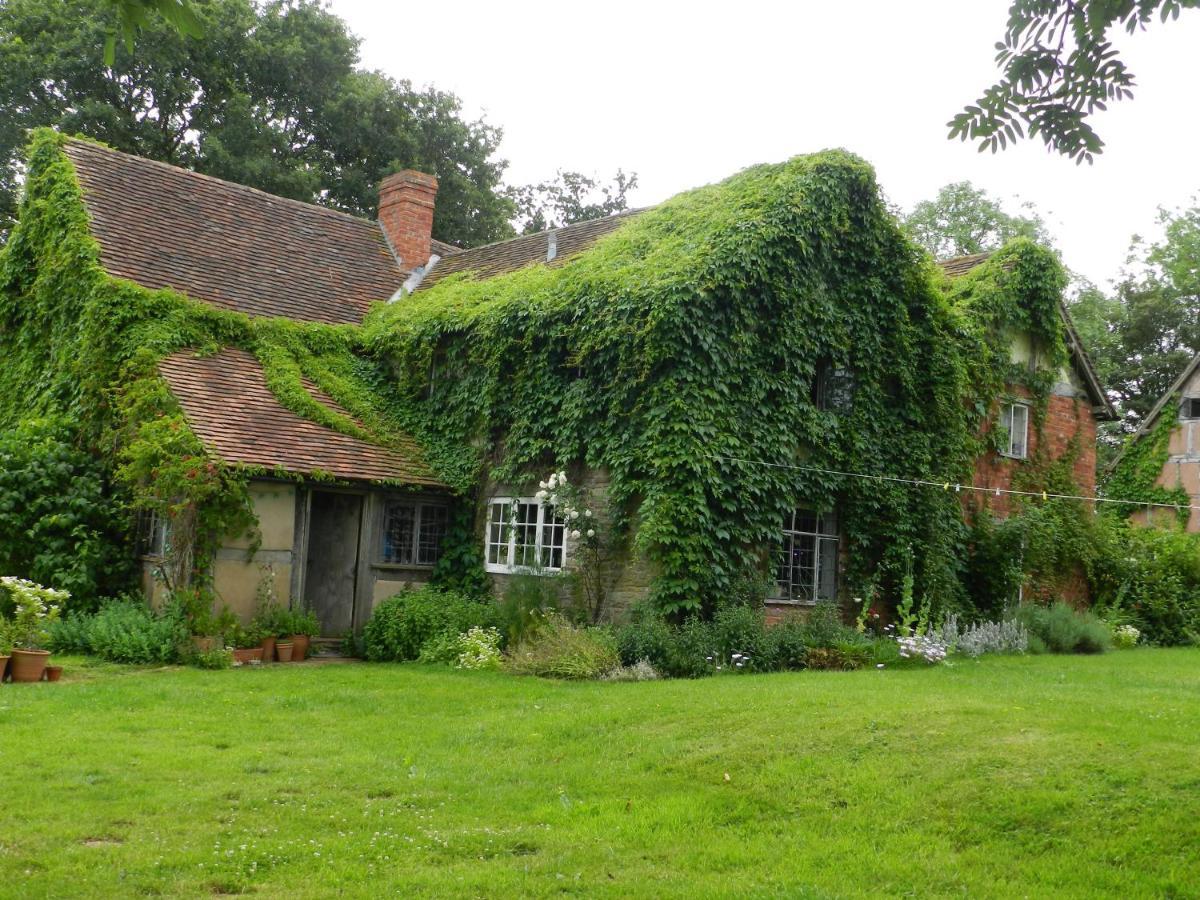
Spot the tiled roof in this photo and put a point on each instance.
(961, 265)
(441, 248)
(227, 403)
(233, 246)
(507, 256)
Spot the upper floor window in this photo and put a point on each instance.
(833, 387)
(413, 532)
(523, 534)
(1191, 408)
(807, 562)
(1014, 418)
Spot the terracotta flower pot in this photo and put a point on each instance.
(53, 673)
(283, 651)
(247, 655)
(28, 665)
(299, 647)
(3, 668)
(268, 649)
(203, 643)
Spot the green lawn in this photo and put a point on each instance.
(1009, 777)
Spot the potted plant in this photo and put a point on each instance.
(5, 646)
(268, 615)
(305, 627)
(35, 608)
(247, 644)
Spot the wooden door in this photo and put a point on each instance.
(331, 570)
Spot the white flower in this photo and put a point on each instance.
(574, 514)
(562, 477)
(541, 495)
(575, 534)
(542, 485)
(554, 498)
(588, 513)
(553, 482)
(591, 532)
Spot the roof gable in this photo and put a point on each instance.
(228, 404)
(233, 246)
(1154, 414)
(1102, 407)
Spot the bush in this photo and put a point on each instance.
(1005, 636)
(1060, 629)
(648, 637)
(477, 648)
(402, 625)
(125, 630)
(639, 671)
(558, 649)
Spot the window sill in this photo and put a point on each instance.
(496, 569)
(779, 601)
(402, 567)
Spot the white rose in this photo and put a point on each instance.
(541, 495)
(554, 498)
(574, 514)
(562, 477)
(588, 513)
(552, 482)
(542, 485)
(575, 534)
(591, 532)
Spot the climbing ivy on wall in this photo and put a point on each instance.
(82, 346)
(1136, 473)
(680, 354)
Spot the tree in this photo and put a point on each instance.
(571, 197)
(1142, 337)
(134, 15)
(1058, 68)
(272, 97)
(964, 219)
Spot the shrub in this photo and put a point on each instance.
(217, 658)
(648, 637)
(477, 648)
(639, 671)
(526, 600)
(126, 630)
(559, 649)
(1005, 636)
(1125, 637)
(1060, 629)
(71, 634)
(402, 625)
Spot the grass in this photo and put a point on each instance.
(1063, 776)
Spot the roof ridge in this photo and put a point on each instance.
(87, 144)
(559, 230)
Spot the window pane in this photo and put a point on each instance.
(554, 535)
(1020, 426)
(806, 560)
(498, 528)
(398, 524)
(827, 569)
(431, 534)
(806, 521)
(525, 535)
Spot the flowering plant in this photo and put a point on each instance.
(571, 505)
(479, 648)
(1125, 637)
(922, 646)
(36, 607)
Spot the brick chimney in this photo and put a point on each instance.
(406, 214)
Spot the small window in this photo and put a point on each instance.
(1014, 419)
(524, 534)
(833, 388)
(1191, 408)
(413, 532)
(154, 539)
(807, 559)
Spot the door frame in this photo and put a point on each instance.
(363, 587)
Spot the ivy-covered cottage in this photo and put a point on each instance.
(1161, 462)
(741, 382)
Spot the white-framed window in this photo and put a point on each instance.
(806, 566)
(524, 534)
(1014, 418)
(154, 534)
(413, 532)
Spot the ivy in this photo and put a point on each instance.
(680, 352)
(1136, 475)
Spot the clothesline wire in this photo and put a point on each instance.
(957, 486)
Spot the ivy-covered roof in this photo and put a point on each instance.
(230, 408)
(235, 247)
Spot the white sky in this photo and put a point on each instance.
(686, 94)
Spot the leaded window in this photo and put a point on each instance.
(1014, 419)
(413, 532)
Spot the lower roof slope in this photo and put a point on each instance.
(228, 404)
(233, 246)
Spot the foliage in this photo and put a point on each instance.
(216, 658)
(1058, 628)
(1135, 476)
(1125, 637)
(928, 647)
(590, 548)
(571, 197)
(479, 648)
(134, 15)
(638, 671)
(559, 649)
(124, 630)
(34, 610)
(646, 357)
(964, 219)
(1058, 69)
(1150, 578)
(274, 97)
(978, 638)
(402, 625)
(59, 521)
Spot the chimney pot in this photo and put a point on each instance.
(406, 201)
